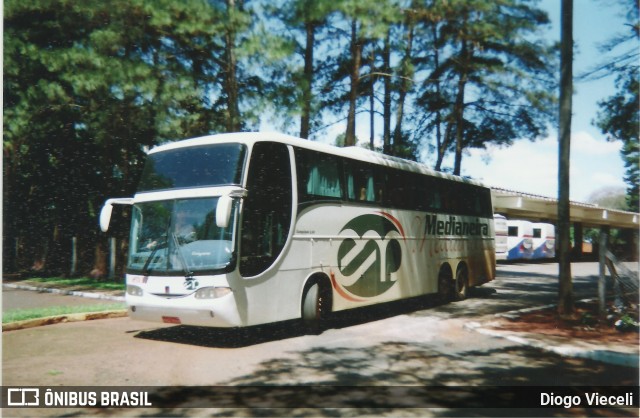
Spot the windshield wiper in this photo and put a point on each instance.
(183, 261)
(145, 269)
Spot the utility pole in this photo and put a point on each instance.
(565, 296)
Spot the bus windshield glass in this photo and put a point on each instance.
(199, 166)
(180, 237)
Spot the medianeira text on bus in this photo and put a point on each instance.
(454, 226)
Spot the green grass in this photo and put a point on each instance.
(80, 282)
(24, 314)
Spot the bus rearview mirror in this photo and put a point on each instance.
(105, 216)
(105, 213)
(223, 211)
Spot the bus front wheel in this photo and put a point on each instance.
(313, 309)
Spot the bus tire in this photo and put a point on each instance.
(445, 284)
(314, 308)
(461, 283)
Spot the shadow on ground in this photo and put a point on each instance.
(462, 384)
(222, 337)
(243, 337)
(402, 378)
(498, 296)
(514, 290)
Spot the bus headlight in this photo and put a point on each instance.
(212, 292)
(134, 290)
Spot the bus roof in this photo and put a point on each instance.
(353, 152)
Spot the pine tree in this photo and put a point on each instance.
(87, 86)
(619, 116)
(490, 78)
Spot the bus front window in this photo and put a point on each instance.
(180, 237)
(206, 165)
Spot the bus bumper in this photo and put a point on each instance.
(220, 313)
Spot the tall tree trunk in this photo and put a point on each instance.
(356, 59)
(305, 119)
(436, 66)
(565, 297)
(231, 83)
(372, 100)
(459, 120)
(405, 83)
(10, 237)
(100, 259)
(458, 110)
(386, 103)
(56, 258)
(442, 147)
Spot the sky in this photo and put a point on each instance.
(532, 167)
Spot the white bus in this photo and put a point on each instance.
(501, 231)
(544, 241)
(243, 229)
(520, 240)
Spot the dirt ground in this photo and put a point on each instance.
(585, 324)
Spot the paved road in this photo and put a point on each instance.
(396, 344)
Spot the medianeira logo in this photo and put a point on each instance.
(368, 261)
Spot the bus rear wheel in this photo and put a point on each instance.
(462, 283)
(445, 284)
(314, 309)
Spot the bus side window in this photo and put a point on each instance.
(513, 231)
(357, 183)
(318, 176)
(398, 189)
(477, 204)
(447, 196)
(455, 199)
(486, 204)
(464, 200)
(430, 195)
(381, 179)
(435, 194)
(362, 184)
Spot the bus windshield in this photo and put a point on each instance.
(180, 237)
(199, 166)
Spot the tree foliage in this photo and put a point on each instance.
(490, 78)
(87, 86)
(619, 116)
(90, 85)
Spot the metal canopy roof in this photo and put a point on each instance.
(518, 205)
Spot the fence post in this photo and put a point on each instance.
(601, 279)
(74, 256)
(112, 258)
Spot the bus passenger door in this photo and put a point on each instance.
(266, 217)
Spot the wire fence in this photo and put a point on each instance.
(625, 282)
